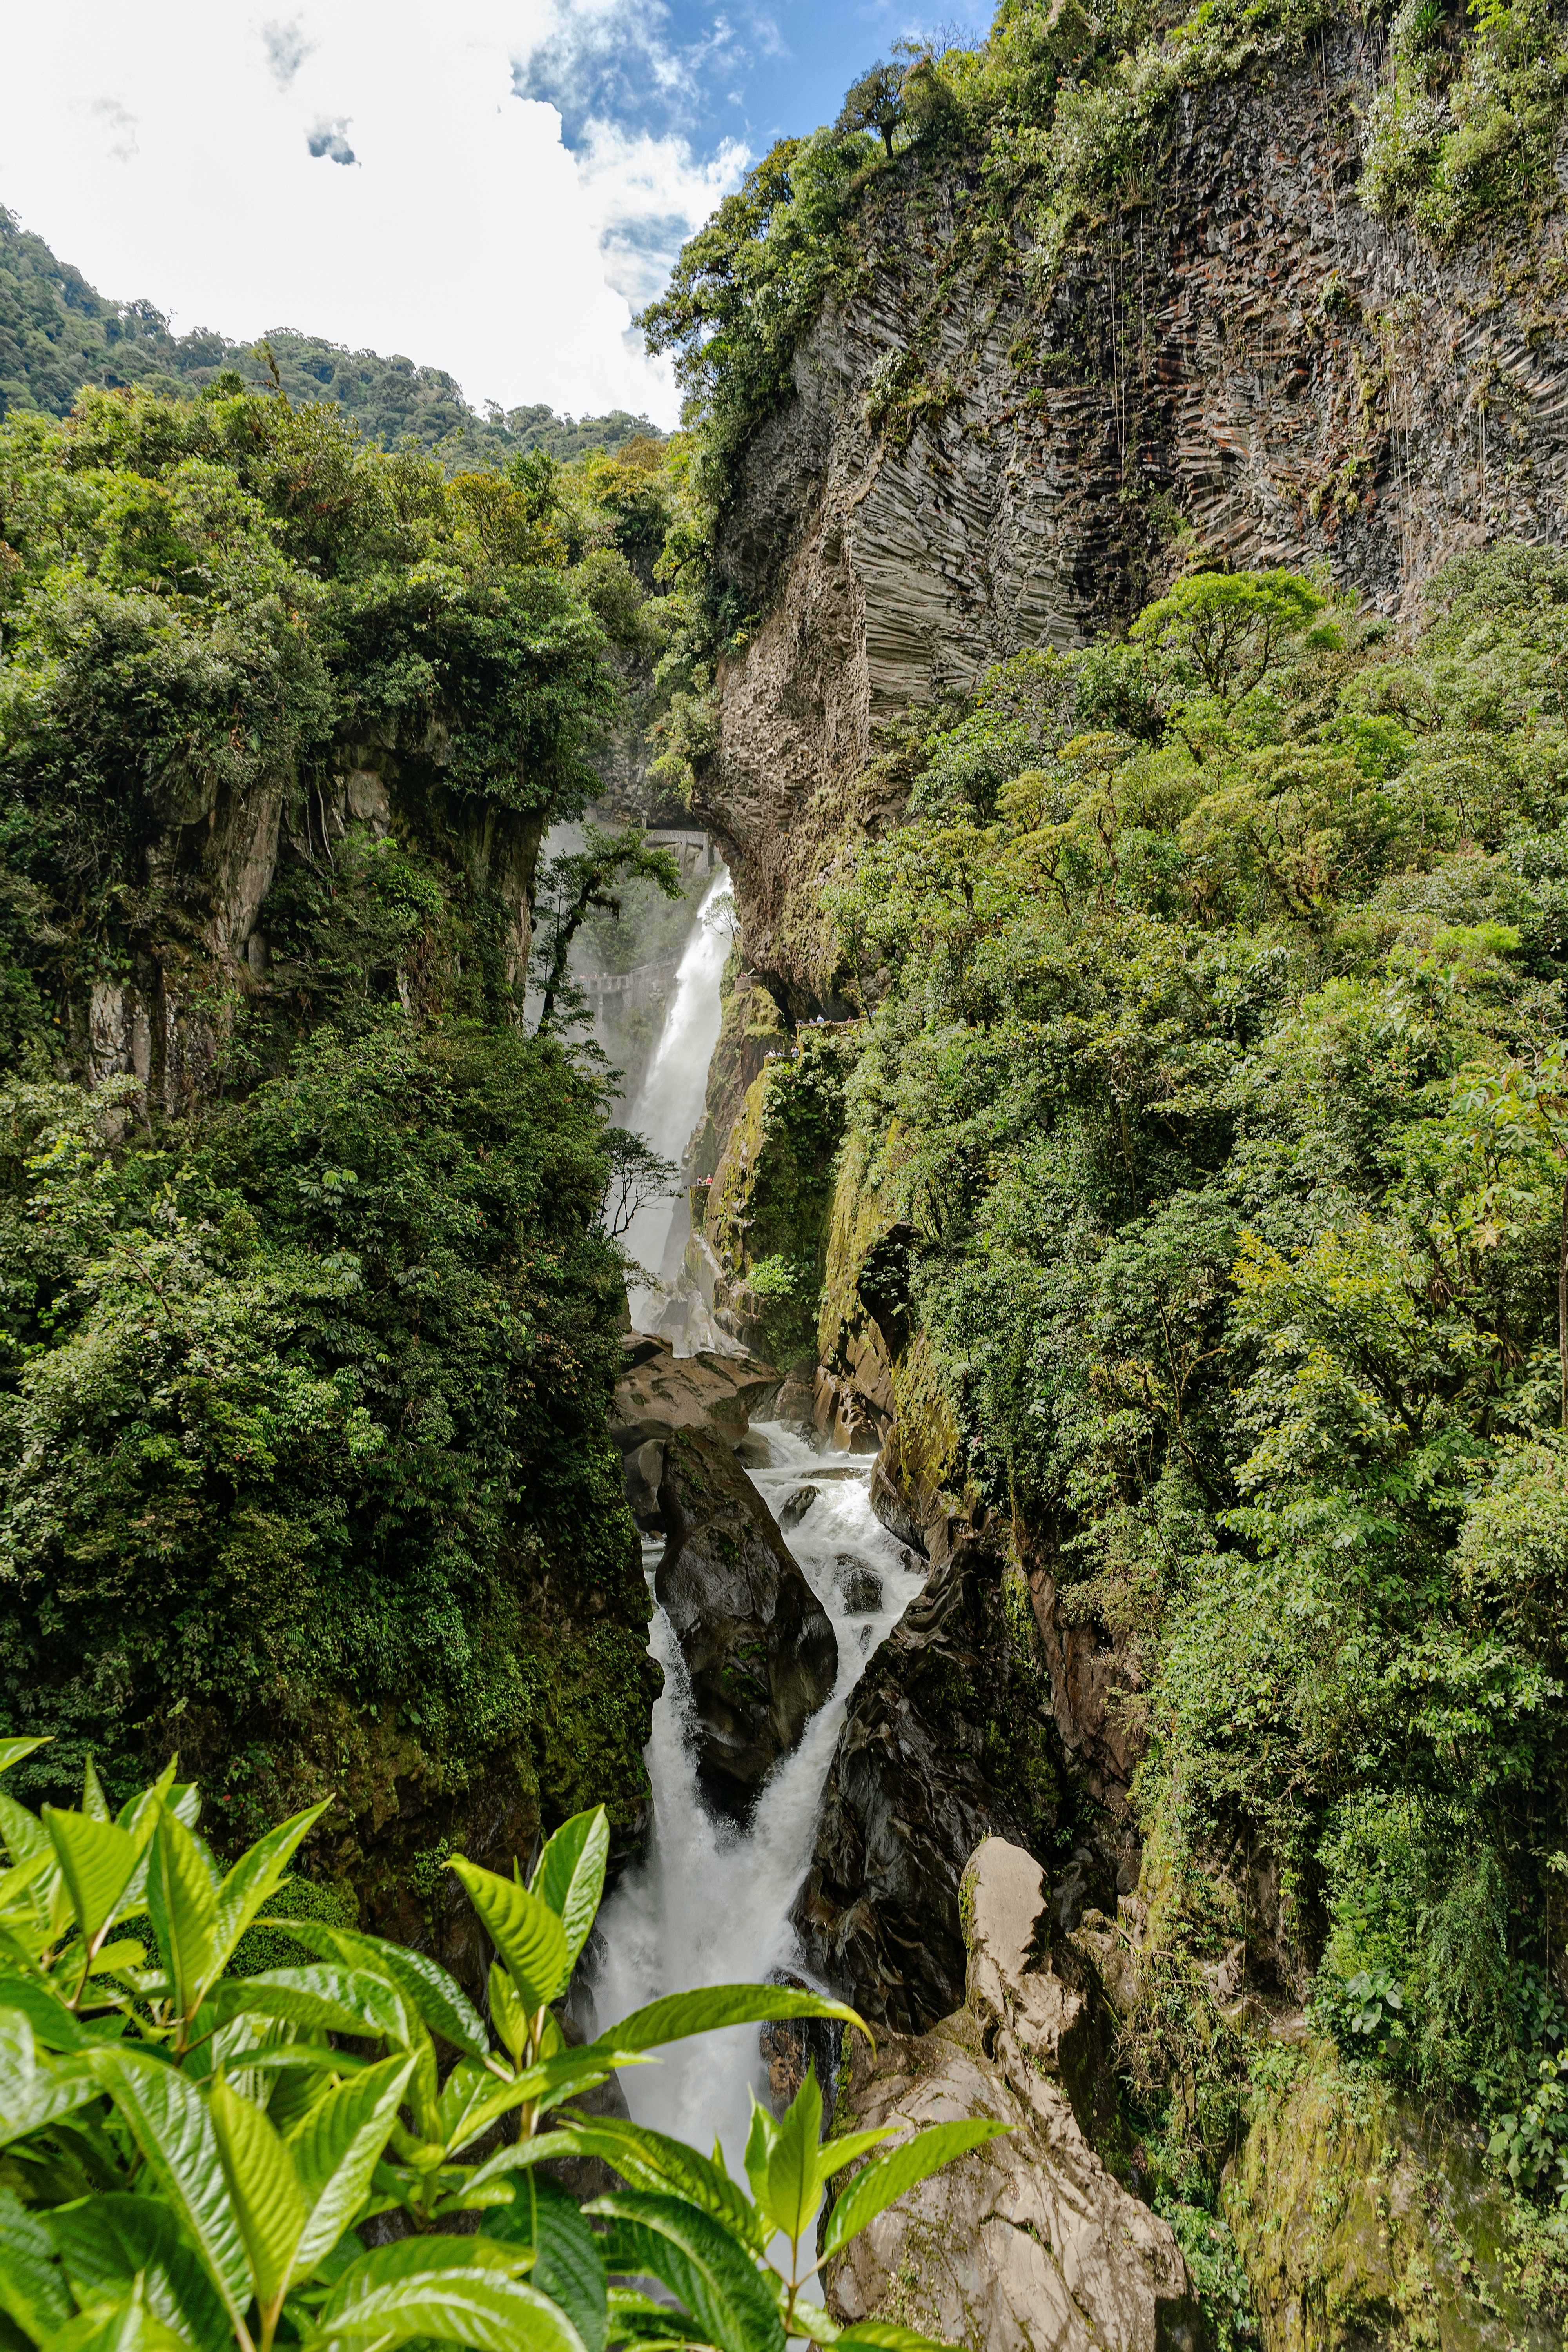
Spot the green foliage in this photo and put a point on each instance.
(1212, 1063)
(1466, 128)
(188, 2159)
(297, 1416)
(309, 1322)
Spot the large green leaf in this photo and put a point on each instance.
(881, 2336)
(36, 2090)
(169, 2121)
(256, 1876)
(23, 1832)
(267, 2204)
(487, 2183)
(182, 1897)
(94, 1804)
(760, 2140)
(551, 2079)
(794, 2181)
(321, 1996)
(567, 2263)
(648, 2159)
(714, 2276)
(53, 2024)
(335, 2148)
(12, 1751)
(716, 2006)
(96, 1860)
(124, 2323)
(111, 2239)
(424, 1985)
(523, 1928)
(571, 1875)
(850, 2147)
(32, 2286)
(462, 2291)
(887, 2177)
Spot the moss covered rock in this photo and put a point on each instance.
(1364, 2222)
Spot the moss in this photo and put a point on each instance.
(768, 1207)
(266, 1946)
(1357, 2216)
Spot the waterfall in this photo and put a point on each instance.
(710, 1903)
(669, 1100)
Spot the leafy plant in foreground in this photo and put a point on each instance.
(187, 2157)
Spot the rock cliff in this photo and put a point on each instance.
(1238, 348)
(1029, 2241)
(218, 855)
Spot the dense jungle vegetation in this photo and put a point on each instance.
(1202, 1148)
(57, 334)
(304, 1368)
(1206, 1137)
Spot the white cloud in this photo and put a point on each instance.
(466, 236)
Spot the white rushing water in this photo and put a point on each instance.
(669, 1100)
(709, 1903)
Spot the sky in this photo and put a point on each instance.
(490, 186)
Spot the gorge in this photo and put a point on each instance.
(988, 1372)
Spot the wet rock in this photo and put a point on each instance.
(948, 1739)
(861, 1586)
(1093, 1677)
(793, 2046)
(798, 1398)
(754, 1451)
(757, 1643)
(660, 1391)
(1027, 2242)
(796, 1505)
(642, 1470)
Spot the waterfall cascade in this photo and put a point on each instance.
(668, 1102)
(710, 1903)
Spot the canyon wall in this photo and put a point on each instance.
(979, 457)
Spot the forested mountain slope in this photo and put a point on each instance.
(57, 334)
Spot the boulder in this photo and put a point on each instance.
(796, 1505)
(643, 1470)
(948, 1737)
(758, 1647)
(861, 1586)
(1026, 2243)
(660, 1391)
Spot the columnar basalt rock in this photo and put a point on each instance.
(1245, 354)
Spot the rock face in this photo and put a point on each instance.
(948, 1739)
(1362, 2222)
(758, 1647)
(1244, 349)
(661, 1392)
(1029, 2242)
(217, 854)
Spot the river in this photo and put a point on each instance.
(710, 1903)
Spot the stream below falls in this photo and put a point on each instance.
(710, 1902)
